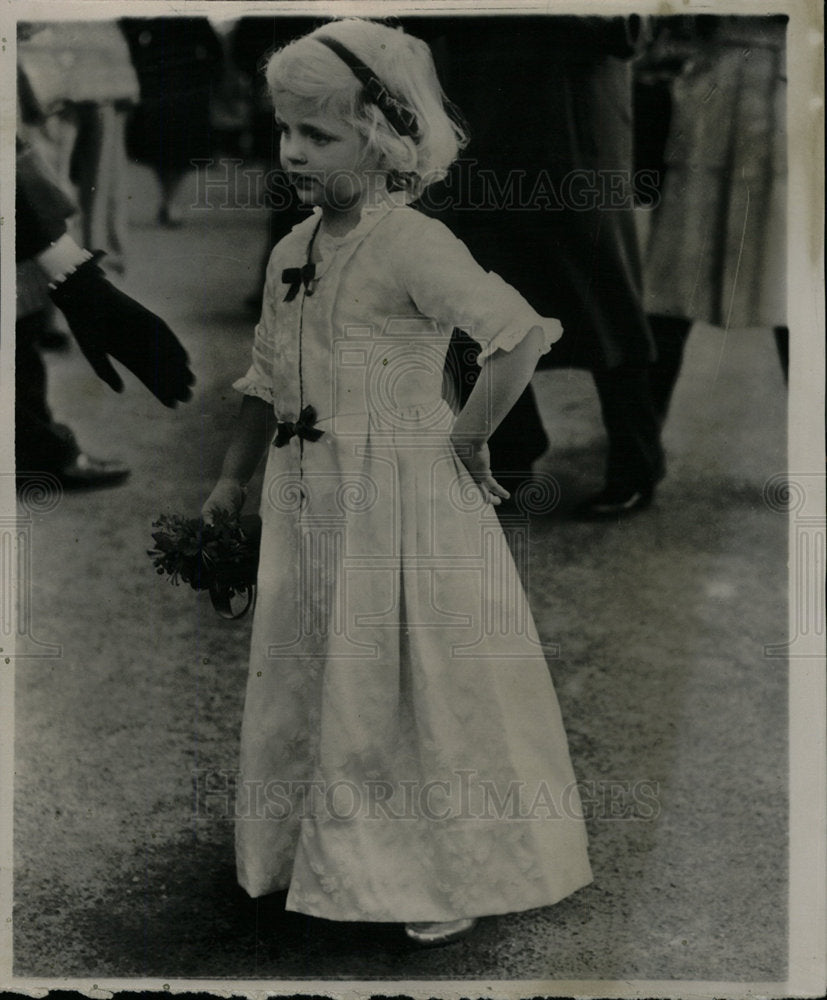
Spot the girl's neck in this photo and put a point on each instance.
(339, 221)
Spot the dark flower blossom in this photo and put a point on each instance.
(221, 557)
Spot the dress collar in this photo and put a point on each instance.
(310, 272)
(370, 214)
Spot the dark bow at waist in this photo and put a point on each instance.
(303, 428)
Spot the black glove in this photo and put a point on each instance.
(105, 322)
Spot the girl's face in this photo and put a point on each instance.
(324, 157)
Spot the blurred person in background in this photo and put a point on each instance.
(547, 200)
(76, 89)
(717, 244)
(179, 62)
(105, 322)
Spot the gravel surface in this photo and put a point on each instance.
(677, 720)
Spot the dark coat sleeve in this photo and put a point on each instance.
(42, 207)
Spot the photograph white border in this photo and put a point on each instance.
(807, 974)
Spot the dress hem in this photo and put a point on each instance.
(494, 910)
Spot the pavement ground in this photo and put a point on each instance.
(673, 710)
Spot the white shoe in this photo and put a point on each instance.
(439, 932)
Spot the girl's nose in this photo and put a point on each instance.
(292, 150)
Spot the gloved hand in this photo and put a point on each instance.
(105, 321)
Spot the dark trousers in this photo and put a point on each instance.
(635, 455)
(630, 416)
(40, 443)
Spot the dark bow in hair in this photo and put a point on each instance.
(399, 117)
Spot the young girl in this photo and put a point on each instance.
(402, 752)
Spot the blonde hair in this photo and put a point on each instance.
(307, 68)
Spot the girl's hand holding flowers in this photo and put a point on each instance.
(228, 494)
(219, 555)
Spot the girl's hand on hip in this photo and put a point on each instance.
(477, 460)
(227, 494)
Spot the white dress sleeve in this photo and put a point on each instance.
(448, 285)
(258, 380)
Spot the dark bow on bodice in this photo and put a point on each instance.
(303, 428)
(295, 277)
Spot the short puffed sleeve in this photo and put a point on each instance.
(448, 285)
(258, 380)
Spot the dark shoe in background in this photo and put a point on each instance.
(615, 502)
(86, 472)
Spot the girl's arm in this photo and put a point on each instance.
(253, 431)
(444, 281)
(504, 376)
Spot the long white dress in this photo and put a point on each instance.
(403, 757)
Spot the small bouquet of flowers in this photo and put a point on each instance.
(221, 557)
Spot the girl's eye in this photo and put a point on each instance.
(320, 138)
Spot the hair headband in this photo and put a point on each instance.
(402, 119)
